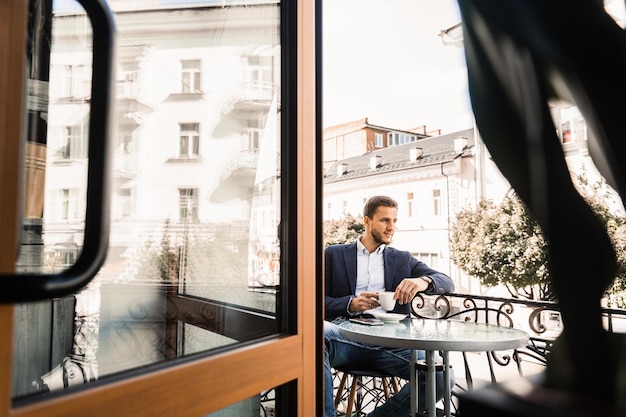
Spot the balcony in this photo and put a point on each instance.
(251, 100)
(237, 179)
(131, 109)
(474, 370)
(247, 103)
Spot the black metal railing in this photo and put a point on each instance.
(540, 319)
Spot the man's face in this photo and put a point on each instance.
(383, 224)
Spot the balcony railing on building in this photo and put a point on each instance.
(251, 99)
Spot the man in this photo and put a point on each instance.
(354, 275)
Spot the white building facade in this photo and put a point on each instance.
(432, 179)
(191, 120)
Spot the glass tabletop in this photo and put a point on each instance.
(434, 334)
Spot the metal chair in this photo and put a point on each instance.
(361, 389)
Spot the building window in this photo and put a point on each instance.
(188, 203)
(253, 140)
(254, 132)
(344, 211)
(574, 130)
(566, 132)
(64, 204)
(60, 259)
(190, 76)
(123, 156)
(430, 259)
(75, 143)
(74, 81)
(580, 130)
(125, 140)
(121, 207)
(260, 68)
(189, 144)
(127, 80)
(404, 138)
(410, 200)
(436, 202)
(128, 71)
(572, 126)
(396, 139)
(378, 140)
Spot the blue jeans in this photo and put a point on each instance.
(343, 352)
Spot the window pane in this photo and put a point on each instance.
(193, 265)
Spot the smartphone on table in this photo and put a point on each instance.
(369, 321)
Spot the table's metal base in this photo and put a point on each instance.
(431, 384)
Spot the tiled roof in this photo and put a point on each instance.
(435, 150)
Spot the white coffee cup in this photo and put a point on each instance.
(386, 301)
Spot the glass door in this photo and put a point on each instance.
(200, 306)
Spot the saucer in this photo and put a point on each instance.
(389, 317)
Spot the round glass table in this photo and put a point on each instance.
(435, 335)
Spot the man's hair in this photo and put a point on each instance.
(374, 202)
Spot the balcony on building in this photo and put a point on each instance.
(249, 102)
(237, 179)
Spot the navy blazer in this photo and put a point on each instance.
(340, 267)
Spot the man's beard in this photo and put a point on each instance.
(379, 238)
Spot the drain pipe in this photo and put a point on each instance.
(448, 205)
(447, 214)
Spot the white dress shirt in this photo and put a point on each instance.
(370, 272)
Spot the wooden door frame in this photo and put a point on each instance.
(195, 387)
(12, 23)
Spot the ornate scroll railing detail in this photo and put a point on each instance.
(540, 319)
(536, 317)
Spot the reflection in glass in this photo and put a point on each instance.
(195, 192)
(263, 405)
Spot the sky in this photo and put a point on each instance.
(385, 61)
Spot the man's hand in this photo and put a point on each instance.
(409, 287)
(364, 301)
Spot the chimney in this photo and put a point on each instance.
(415, 154)
(342, 169)
(460, 144)
(375, 161)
